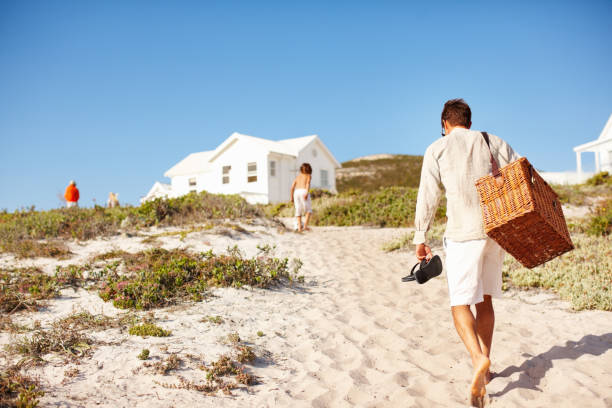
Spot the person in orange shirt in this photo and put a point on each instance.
(72, 195)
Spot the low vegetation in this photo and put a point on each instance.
(371, 175)
(598, 187)
(582, 276)
(227, 366)
(18, 390)
(71, 343)
(158, 277)
(21, 231)
(30, 248)
(434, 239)
(23, 288)
(68, 337)
(144, 354)
(149, 329)
(164, 366)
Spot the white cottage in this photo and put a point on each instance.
(602, 147)
(258, 169)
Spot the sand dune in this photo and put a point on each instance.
(352, 335)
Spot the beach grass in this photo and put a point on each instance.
(22, 232)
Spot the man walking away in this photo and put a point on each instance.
(473, 261)
(72, 195)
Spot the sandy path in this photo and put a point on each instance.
(373, 340)
(354, 335)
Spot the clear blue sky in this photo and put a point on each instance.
(113, 93)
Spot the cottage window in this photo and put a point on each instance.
(314, 152)
(272, 168)
(192, 182)
(251, 172)
(324, 178)
(225, 175)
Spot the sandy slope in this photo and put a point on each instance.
(352, 335)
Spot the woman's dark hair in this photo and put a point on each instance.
(457, 113)
(305, 168)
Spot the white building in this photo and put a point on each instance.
(602, 148)
(260, 170)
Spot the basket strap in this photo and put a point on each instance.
(494, 166)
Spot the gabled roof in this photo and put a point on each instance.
(605, 137)
(195, 163)
(265, 144)
(296, 144)
(201, 162)
(606, 133)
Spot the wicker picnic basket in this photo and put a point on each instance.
(522, 213)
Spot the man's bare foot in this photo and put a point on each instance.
(307, 229)
(477, 389)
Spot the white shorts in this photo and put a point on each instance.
(71, 204)
(473, 269)
(302, 206)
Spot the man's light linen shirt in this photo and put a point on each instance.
(454, 163)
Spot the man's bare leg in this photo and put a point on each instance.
(465, 323)
(299, 223)
(485, 322)
(306, 221)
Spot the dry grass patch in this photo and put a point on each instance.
(434, 239)
(69, 343)
(582, 276)
(29, 248)
(22, 288)
(18, 390)
(163, 367)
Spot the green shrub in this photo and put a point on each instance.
(18, 390)
(371, 175)
(319, 192)
(21, 288)
(582, 276)
(602, 178)
(582, 194)
(600, 223)
(149, 329)
(387, 207)
(158, 277)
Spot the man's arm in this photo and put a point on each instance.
(505, 153)
(427, 202)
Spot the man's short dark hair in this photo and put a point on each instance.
(305, 168)
(457, 113)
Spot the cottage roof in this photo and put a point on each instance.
(296, 144)
(264, 144)
(605, 137)
(195, 163)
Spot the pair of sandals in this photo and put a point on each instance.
(426, 271)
